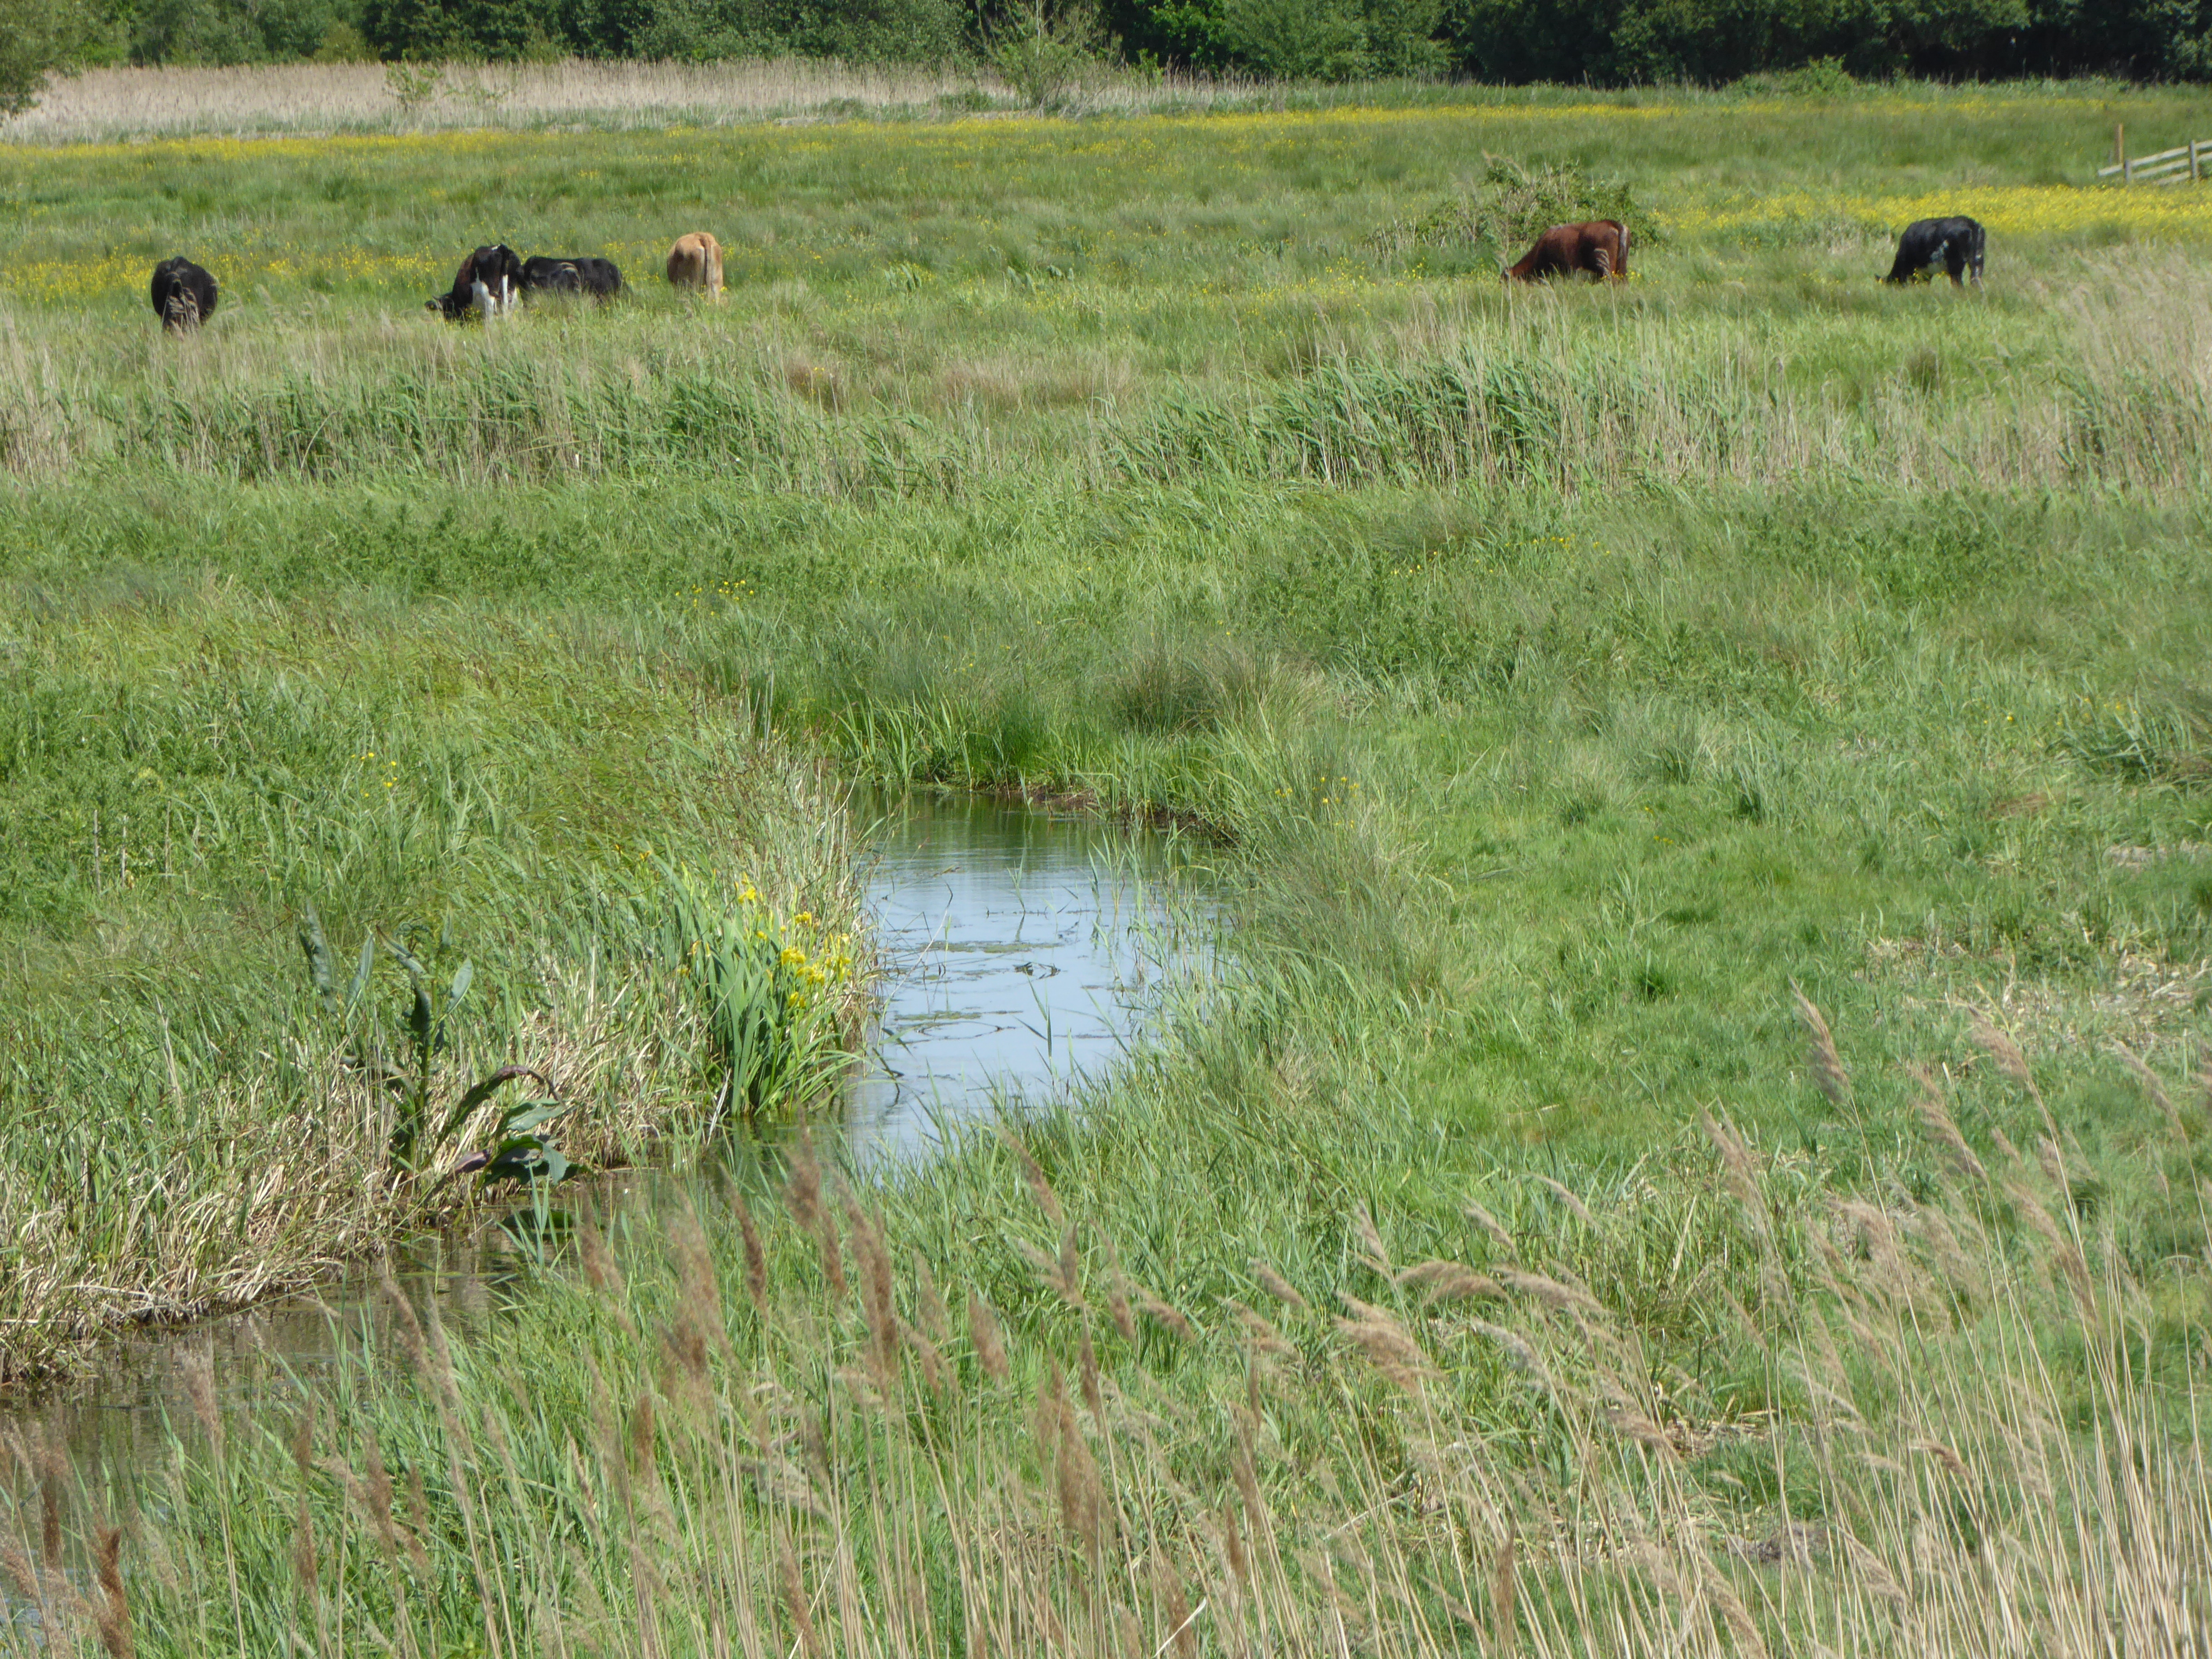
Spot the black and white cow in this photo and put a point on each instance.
(1956, 242)
(542, 274)
(488, 284)
(183, 294)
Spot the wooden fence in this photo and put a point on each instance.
(2184, 166)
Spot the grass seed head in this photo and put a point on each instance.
(113, 1613)
(1276, 1285)
(700, 1286)
(53, 1475)
(1566, 1196)
(1492, 1225)
(196, 1366)
(1935, 1119)
(2006, 1053)
(306, 1569)
(1827, 1065)
(802, 1192)
(1172, 1317)
(1260, 1336)
(936, 1318)
(1117, 1305)
(756, 1253)
(1448, 1281)
(983, 1333)
(1371, 1241)
(16, 1568)
(1093, 1397)
(796, 1606)
(1033, 1173)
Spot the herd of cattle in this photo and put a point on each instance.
(490, 283)
(494, 279)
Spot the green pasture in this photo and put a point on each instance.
(1565, 679)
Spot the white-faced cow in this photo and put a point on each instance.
(696, 261)
(488, 284)
(1956, 242)
(183, 294)
(545, 274)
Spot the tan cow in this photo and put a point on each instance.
(696, 261)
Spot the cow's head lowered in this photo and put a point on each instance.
(486, 285)
(1599, 247)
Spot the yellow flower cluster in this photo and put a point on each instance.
(817, 964)
(2006, 210)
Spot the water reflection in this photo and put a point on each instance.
(1020, 950)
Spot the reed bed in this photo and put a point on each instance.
(123, 104)
(789, 1425)
(1539, 392)
(108, 106)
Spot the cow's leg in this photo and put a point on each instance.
(1955, 261)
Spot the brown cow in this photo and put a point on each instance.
(1601, 247)
(696, 261)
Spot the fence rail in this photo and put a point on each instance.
(2184, 164)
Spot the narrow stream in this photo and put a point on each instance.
(1021, 949)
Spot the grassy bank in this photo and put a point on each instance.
(1506, 1257)
(196, 779)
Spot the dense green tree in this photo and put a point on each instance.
(1605, 42)
(38, 38)
(235, 31)
(866, 31)
(501, 30)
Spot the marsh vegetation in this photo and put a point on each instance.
(1700, 1149)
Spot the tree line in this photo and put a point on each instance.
(1602, 42)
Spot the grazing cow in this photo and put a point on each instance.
(183, 294)
(1601, 247)
(487, 284)
(1957, 242)
(542, 274)
(696, 261)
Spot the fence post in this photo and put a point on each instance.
(2194, 174)
(2120, 150)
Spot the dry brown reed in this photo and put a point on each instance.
(108, 105)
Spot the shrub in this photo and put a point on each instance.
(1044, 57)
(1511, 207)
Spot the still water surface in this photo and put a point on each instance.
(1020, 950)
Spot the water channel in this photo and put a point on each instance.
(1021, 949)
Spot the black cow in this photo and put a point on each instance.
(542, 274)
(488, 282)
(1956, 242)
(183, 294)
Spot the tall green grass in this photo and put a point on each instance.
(1570, 683)
(1706, 1406)
(194, 1113)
